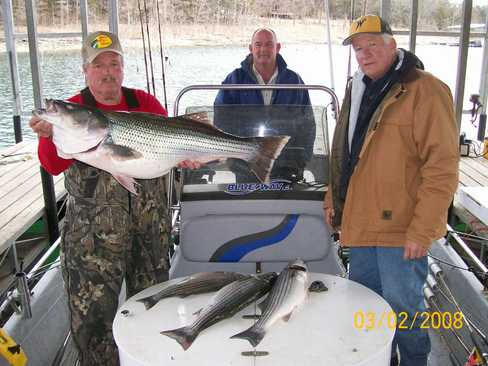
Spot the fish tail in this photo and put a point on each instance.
(148, 302)
(184, 336)
(269, 149)
(253, 335)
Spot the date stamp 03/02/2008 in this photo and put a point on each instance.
(370, 320)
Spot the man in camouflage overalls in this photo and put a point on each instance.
(109, 235)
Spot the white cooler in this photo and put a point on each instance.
(328, 329)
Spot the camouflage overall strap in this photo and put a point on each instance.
(129, 95)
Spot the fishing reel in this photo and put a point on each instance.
(476, 106)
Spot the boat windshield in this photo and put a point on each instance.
(304, 160)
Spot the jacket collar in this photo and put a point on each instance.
(407, 66)
(246, 64)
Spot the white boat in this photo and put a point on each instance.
(249, 227)
(219, 223)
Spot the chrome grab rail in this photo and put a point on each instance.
(335, 108)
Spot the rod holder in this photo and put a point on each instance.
(482, 127)
(428, 294)
(17, 129)
(432, 283)
(24, 295)
(436, 270)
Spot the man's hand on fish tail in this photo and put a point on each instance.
(41, 127)
(414, 251)
(190, 164)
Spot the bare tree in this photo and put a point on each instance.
(433, 14)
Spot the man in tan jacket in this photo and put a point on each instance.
(394, 171)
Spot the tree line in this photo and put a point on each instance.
(433, 14)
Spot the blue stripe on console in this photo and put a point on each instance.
(234, 250)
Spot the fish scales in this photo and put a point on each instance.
(225, 299)
(176, 136)
(224, 304)
(195, 284)
(287, 293)
(134, 145)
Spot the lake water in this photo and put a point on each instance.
(62, 76)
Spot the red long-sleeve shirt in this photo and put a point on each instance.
(48, 155)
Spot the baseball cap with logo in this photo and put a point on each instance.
(367, 24)
(99, 42)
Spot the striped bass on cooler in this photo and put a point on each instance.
(289, 291)
(197, 283)
(224, 304)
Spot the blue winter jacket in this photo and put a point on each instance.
(294, 106)
(244, 75)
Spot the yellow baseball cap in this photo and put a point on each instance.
(367, 24)
(99, 42)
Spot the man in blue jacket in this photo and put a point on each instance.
(265, 66)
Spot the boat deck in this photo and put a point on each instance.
(22, 204)
(473, 172)
(21, 198)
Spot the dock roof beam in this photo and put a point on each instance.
(414, 16)
(8, 21)
(462, 60)
(46, 178)
(113, 25)
(385, 10)
(84, 18)
(484, 71)
(329, 43)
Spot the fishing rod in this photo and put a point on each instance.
(149, 48)
(472, 236)
(365, 6)
(162, 58)
(436, 288)
(353, 4)
(439, 275)
(143, 44)
(429, 302)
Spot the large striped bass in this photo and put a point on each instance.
(197, 283)
(132, 145)
(289, 291)
(224, 304)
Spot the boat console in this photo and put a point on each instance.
(226, 219)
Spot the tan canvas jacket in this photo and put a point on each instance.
(407, 173)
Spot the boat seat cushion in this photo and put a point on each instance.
(254, 238)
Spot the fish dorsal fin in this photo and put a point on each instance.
(201, 117)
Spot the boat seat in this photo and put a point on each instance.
(254, 238)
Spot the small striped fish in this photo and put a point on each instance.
(224, 304)
(288, 292)
(132, 145)
(197, 283)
